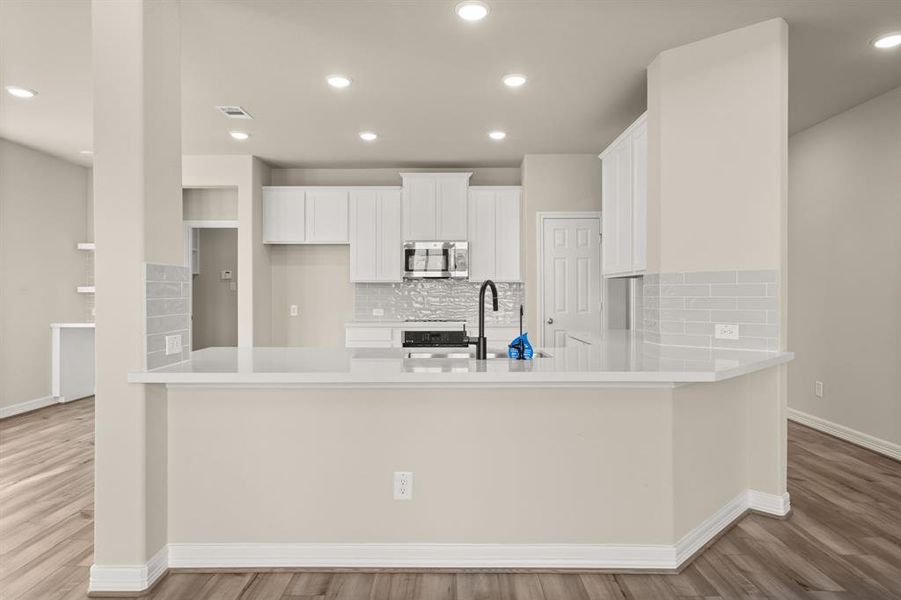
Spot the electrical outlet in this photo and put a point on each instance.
(818, 389)
(233, 286)
(378, 312)
(726, 331)
(173, 344)
(293, 310)
(224, 275)
(403, 485)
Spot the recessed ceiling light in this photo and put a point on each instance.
(338, 81)
(514, 80)
(86, 152)
(368, 136)
(472, 10)
(239, 135)
(21, 92)
(497, 135)
(891, 40)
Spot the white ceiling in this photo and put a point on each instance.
(426, 81)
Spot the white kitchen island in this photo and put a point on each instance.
(619, 455)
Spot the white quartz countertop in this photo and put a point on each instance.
(617, 358)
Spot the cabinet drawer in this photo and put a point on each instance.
(368, 337)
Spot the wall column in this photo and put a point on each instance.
(137, 219)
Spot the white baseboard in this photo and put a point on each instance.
(23, 407)
(772, 504)
(713, 525)
(422, 556)
(859, 438)
(129, 578)
(623, 557)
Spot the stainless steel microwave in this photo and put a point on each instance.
(438, 260)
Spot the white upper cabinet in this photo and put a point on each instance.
(283, 215)
(326, 216)
(305, 215)
(624, 203)
(494, 233)
(375, 239)
(434, 206)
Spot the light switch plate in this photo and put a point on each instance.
(726, 331)
(173, 344)
(225, 275)
(293, 310)
(818, 389)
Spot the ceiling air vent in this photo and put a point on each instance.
(234, 112)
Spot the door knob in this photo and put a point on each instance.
(550, 321)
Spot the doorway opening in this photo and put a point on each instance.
(214, 289)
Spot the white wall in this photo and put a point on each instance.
(717, 135)
(317, 279)
(844, 255)
(44, 208)
(217, 204)
(553, 182)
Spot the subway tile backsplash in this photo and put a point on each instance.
(419, 299)
(682, 309)
(167, 311)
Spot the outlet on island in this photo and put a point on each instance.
(403, 485)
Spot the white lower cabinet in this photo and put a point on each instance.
(375, 237)
(624, 203)
(494, 233)
(305, 215)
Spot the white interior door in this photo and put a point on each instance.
(571, 271)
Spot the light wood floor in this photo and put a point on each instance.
(843, 539)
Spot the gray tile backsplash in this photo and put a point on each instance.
(167, 310)
(438, 299)
(682, 309)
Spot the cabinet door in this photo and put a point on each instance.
(640, 197)
(616, 219)
(420, 209)
(507, 237)
(451, 208)
(482, 224)
(283, 215)
(326, 216)
(364, 214)
(389, 255)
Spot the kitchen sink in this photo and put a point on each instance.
(466, 355)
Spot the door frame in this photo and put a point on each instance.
(190, 225)
(540, 218)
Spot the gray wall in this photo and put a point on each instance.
(44, 213)
(215, 304)
(844, 290)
